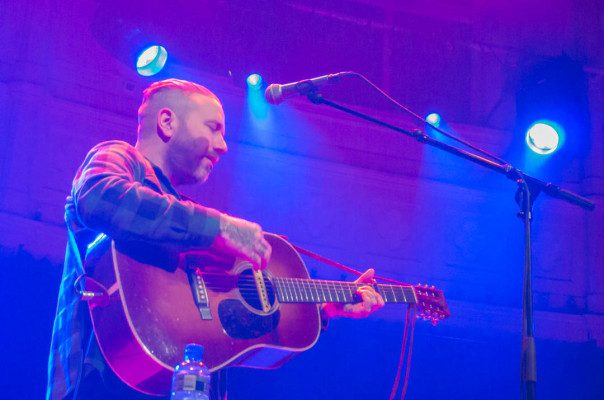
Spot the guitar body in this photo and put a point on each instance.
(151, 313)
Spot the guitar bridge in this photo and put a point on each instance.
(200, 294)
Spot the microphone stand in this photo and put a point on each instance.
(528, 190)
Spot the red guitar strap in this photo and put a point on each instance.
(338, 265)
(410, 320)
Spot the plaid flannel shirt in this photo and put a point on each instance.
(120, 193)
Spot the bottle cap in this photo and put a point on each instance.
(193, 352)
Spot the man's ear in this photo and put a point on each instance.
(166, 124)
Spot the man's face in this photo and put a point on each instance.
(198, 141)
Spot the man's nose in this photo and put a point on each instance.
(220, 145)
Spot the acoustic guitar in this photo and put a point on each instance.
(146, 303)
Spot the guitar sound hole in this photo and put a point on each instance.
(247, 288)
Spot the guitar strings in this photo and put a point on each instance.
(299, 288)
(297, 285)
(300, 281)
(286, 280)
(290, 285)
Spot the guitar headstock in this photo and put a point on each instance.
(431, 303)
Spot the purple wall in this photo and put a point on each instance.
(343, 188)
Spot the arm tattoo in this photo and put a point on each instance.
(243, 238)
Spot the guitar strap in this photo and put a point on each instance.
(409, 321)
(336, 264)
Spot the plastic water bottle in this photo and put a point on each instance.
(191, 379)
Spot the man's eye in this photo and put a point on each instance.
(214, 127)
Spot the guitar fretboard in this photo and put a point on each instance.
(298, 290)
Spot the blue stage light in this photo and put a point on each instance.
(258, 106)
(151, 60)
(433, 119)
(254, 81)
(544, 137)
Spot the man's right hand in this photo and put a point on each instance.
(240, 238)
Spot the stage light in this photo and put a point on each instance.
(254, 81)
(552, 128)
(151, 60)
(543, 137)
(433, 119)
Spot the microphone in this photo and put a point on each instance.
(276, 93)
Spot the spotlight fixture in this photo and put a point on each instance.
(254, 81)
(433, 119)
(151, 60)
(544, 137)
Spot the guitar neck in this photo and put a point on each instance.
(298, 290)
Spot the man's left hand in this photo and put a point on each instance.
(371, 301)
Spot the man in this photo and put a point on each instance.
(128, 193)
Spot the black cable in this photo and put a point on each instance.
(419, 118)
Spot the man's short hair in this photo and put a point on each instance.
(172, 83)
